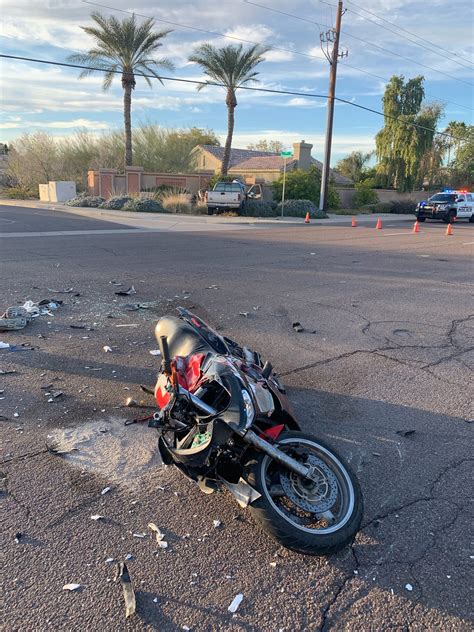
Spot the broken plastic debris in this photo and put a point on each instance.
(71, 587)
(107, 349)
(4, 345)
(66, 290)
(128, 592)
(130, 402)
(8, 372)
(155, 352)
(105, 490)
(406, 433)
(159, 535)
(130, 325)
(129, 556)
(273, 564)
(298, 327)
(131, 290)
(18, 536)
(244, 314)
(216, 523)
(96, 517)
(235, 603)
(139, 535)
(409, 587)
(109, 560)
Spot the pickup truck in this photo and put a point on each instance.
(447, 206)
(230, 196)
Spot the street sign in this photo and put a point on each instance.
(286, 154)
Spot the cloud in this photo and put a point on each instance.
(17, 123)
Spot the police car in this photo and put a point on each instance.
(447, 206)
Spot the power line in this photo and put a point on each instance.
(361, 39)
(418, 43)
(221, 85)
(239, 39)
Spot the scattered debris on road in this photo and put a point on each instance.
(107, 349)
(159, 535)
(408, 587)
(131, 290)
(66, 290)
(128, 593)
(235, 603)
(155, 352)
(97, 517)
(71, 587)
(406, 433)
(298, 327)
(105, 491)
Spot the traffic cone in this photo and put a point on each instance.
(416, 227)
(449, 230)
(306, 219)
(354, 223)
(379, 224)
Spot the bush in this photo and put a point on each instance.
(19, 193)
(86, 201)
(258, 208)
(404, 207)
(299, 208)
(141, 205)
(304, 185)
(176, 202)
(364, 195)
(116, 203)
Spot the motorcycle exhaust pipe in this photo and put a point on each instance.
(278, 455)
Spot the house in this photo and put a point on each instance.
(260, 166)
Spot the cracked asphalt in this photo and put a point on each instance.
(382, 372)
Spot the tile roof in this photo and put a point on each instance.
(249, 159)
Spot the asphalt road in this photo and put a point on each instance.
(388, 348)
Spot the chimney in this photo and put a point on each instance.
(302, 153)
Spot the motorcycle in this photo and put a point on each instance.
(225, 421)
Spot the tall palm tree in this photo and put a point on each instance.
(126, 47)
(233, 67)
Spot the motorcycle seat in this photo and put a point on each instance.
(183, 340)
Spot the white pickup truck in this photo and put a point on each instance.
(230, 196)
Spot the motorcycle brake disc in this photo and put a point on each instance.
(313, 496)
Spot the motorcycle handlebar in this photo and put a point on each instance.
(165, 354)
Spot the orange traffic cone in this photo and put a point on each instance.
(416, 227)
(306, 219)
(449, 230)
(354, 223)
(379, 224)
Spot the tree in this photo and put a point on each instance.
(352, 166)
(233, 67)
(126, 47)
(400, 146)
(303, 185)
(462, 167)
(270, 146)
(458, 130)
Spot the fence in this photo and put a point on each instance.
(108, 182)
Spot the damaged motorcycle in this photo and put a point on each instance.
(225, 421)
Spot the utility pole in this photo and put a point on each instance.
(330, 37)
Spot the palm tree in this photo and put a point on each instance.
(126, 47)
(232, 67)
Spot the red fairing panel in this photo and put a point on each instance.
(189, 374)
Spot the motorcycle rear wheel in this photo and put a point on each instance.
(313, 519)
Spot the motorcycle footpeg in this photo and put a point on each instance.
(206, 485)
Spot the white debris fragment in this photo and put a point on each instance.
(16, 414)
(139, 535)
(107, 349)
(185, 627)
(129, 556)
(160, 537)
(155, 352)
(235, 603)
(273, 564)
(105, 491)
(408, 587)
(96, 517)
(109, 560)
(71, 586)
(216, 523)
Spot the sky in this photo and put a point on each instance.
(53, 100)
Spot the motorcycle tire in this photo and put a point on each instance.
(277, 522)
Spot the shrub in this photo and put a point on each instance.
(304, 185)
(116, 203)
(176, 202)
(20, 192)
(258, 208)
(143, 206)
(364, 195)
(299, 208)
(200, 208)
(86, 201)
(404, 207)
